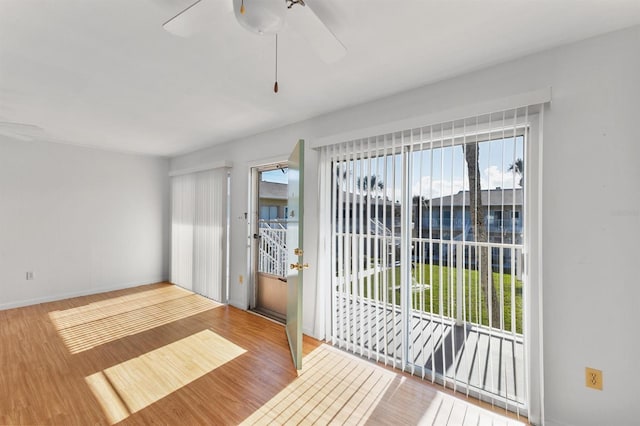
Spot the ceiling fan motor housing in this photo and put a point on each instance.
(261, 16)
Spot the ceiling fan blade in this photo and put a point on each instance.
(22, 131)
(192, 19)
(321, 39)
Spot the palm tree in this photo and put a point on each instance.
(341, 175)
(370, 183)
(518, 168)
(472, 154)
(420, 200)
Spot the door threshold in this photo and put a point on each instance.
(270, 315)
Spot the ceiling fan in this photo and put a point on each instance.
(265, 17)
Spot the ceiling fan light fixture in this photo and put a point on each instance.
(261, 16)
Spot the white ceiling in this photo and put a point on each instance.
(105, 73)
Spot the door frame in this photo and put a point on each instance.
(532, 316)
(254, 168)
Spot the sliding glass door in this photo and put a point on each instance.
(428, 235)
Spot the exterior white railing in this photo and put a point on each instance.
(272, 248)
(438, 316)
(446, 263)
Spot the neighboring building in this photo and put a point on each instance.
(438, 220)
(273, 201)
(449, 217)
(376, 214)
(443, 218)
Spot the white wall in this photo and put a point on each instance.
(591, 207)
(82, 220)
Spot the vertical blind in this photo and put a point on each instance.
(198, 232)
(427, 248)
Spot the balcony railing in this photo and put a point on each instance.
(449, 268)
(458, 225)
(272, 248)
(443, 311)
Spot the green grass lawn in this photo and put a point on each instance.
(441, 296)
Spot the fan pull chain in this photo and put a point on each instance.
(242, 7)
(275, 86)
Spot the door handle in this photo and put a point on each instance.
(299, 266)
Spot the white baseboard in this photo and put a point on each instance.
(69, 295)
(308, 332)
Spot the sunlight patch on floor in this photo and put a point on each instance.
(135, 384)
(446, 409)
(333, 387)
(88, 326)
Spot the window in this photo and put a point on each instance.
(418, 255)
(199, 232)
(269, 213)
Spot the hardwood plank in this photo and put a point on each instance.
(155, 354)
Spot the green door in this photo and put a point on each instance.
(295, 254)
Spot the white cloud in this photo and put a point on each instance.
(493, 177)
(490, 178)
(434, 188)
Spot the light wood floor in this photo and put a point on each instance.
(158, 354)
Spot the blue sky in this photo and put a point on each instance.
(438, 172)
(443, 171)
(275, 176)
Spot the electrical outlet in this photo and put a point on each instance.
(240, 279)
(29, 275)
(593, 378)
